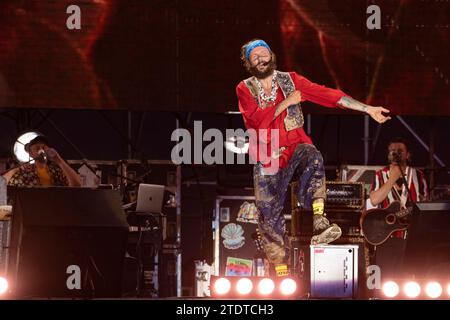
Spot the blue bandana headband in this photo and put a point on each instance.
(252, 45)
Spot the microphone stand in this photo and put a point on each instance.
(409, 201)
(413, 222)
(17, 166)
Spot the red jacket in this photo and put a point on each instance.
(258, 118)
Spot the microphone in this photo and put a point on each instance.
(396, 157)
(42, 156)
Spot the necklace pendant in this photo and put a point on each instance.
(273, 93)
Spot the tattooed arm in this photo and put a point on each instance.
(375, 112)
(332, 98)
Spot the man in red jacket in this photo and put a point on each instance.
(270, 104)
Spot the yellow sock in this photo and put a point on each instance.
(318, 207)
(281, 270)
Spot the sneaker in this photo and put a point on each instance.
(324, 232)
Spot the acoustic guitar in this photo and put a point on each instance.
(377, 225)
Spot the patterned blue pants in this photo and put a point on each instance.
(270, 194)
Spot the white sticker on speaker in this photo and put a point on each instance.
(233, 236)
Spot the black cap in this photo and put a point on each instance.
(38, 139)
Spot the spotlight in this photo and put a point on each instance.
(244, 286)
(3, 285)
(253, 287)
(19, 146)
(288, 286)
(433, 289)
(412, 289)
(448, 289)
(266, 286)
(390, 289)
(222, 286)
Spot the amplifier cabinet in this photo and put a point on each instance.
(305, 269)
(334, 271)
(339, 195)
(348, 221)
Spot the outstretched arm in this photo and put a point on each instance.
(375, 112)
(333, 98)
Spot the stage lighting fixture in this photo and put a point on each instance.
(266, 286)
(433, 289)
(412, 289)
(288, 286)
(222, 286)
(390, 289)
(254, 287)
(3, 285)
(244, 286)
(19, 146)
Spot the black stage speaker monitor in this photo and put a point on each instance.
(67, 242)
(428, 246)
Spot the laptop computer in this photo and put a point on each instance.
(150, 198)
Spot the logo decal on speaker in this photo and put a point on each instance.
(233, 235)
(248, 213)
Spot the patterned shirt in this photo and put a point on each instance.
(27, 176)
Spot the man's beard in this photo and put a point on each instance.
(271, 66)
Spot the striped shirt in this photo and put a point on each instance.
(416, 183)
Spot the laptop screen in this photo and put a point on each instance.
(150, 198)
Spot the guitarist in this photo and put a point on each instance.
(389, 186)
